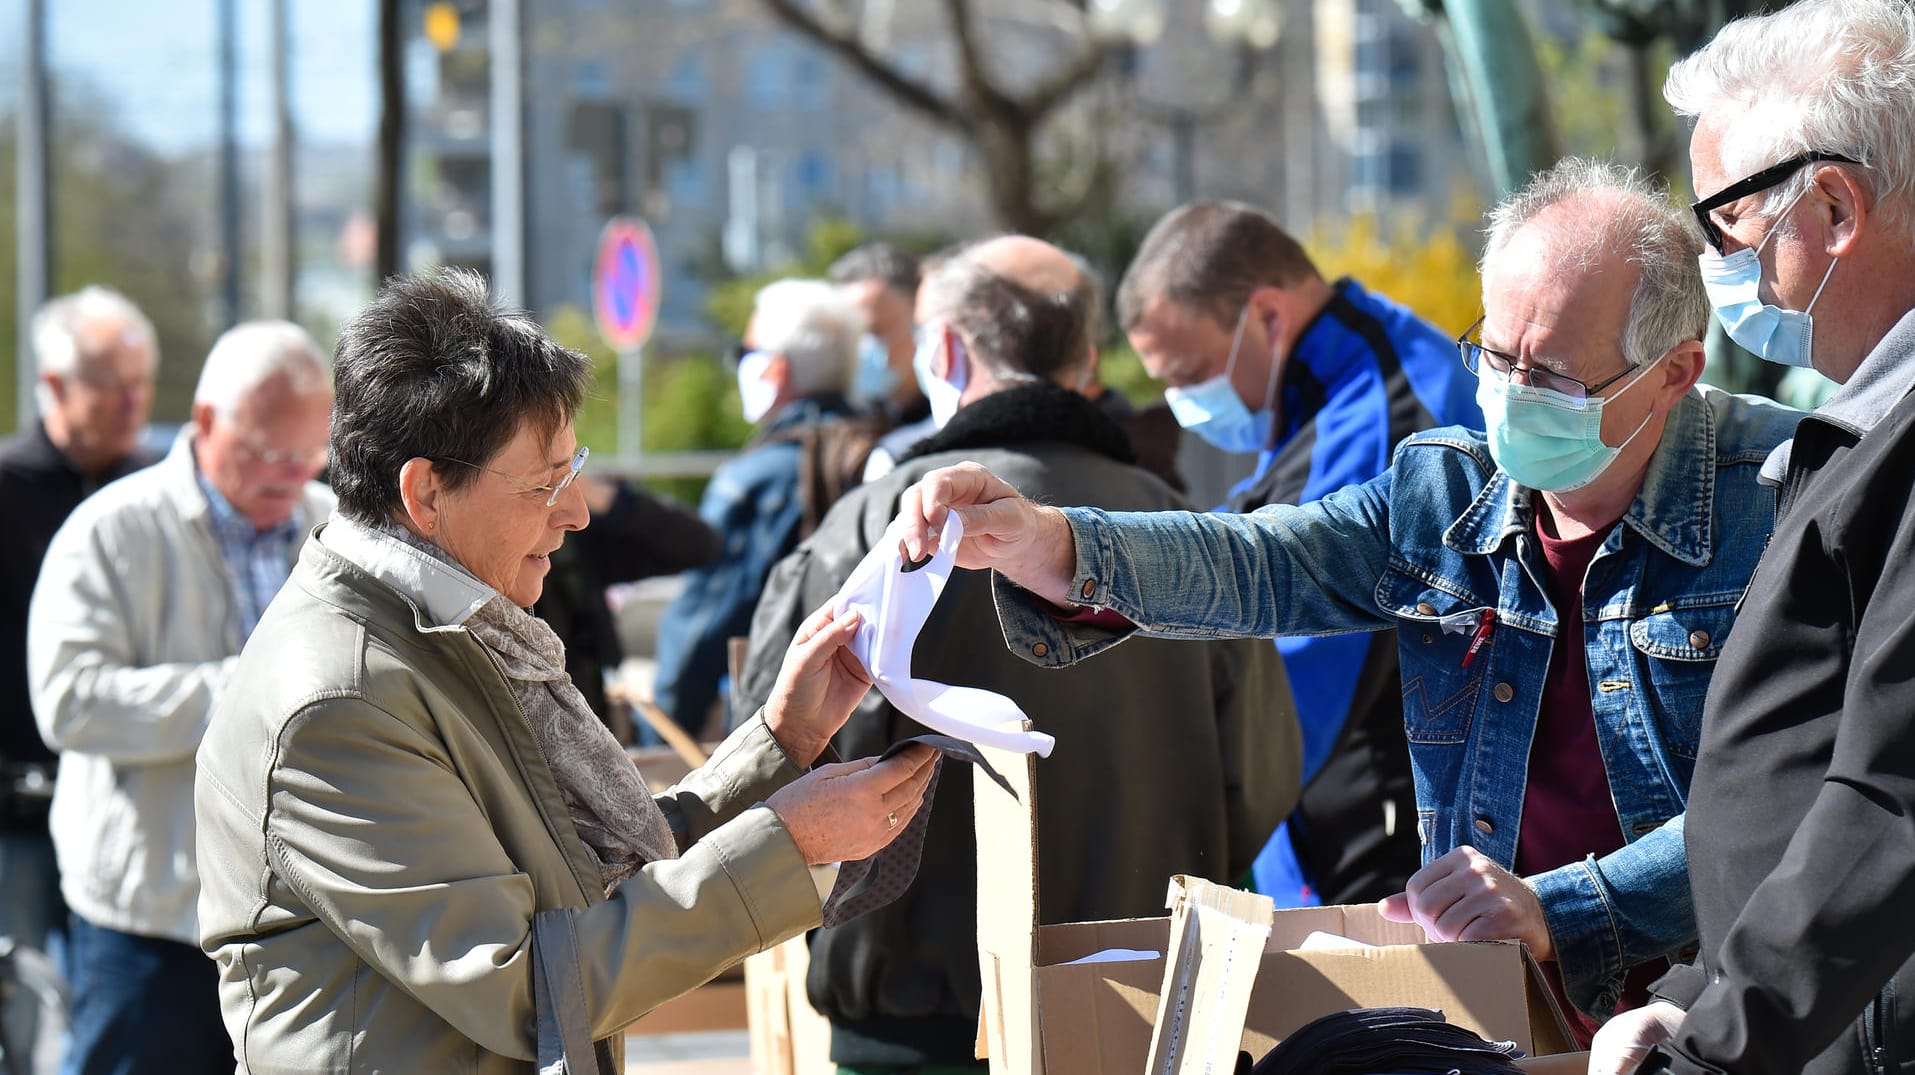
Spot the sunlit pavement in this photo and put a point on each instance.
(716, 1052)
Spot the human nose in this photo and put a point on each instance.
(571, 512)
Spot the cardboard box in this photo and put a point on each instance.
(1045, 1015)
(787, 1035)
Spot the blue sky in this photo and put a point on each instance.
(155, 61)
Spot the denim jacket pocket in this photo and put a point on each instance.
(1678, 648)
(1436, 623)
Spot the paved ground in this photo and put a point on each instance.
(717, 1052)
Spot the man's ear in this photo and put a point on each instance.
(1844, 208)
(946, 363)
(419, 493)
(778, 372)
(1681, 370)
(202, 419)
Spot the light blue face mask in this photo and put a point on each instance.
(1547, 440)
(1213, 410)
(1733, 283)
(876, 376)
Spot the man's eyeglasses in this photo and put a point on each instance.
(1476, 356)
(314, 458)
(554, 488)
(1760, 181)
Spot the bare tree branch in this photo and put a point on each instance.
(972, 74)
(906, 90)
(1073, 76)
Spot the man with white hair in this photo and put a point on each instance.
(146, 596)
(94, 355)
(794, 368)
(1559, 586)
(1802, 818)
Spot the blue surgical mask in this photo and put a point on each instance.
(1545, 439)
(876, 376)
(755, 394)
(1213, 410)
(1733, 283)
(943, 395)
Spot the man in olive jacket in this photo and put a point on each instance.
(1182, 759)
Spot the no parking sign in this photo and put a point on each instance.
(625, 283)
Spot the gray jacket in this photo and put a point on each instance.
(377, 828)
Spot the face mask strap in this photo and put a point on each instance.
(1236, 341)
(1820, 286)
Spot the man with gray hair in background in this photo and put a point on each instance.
(94, 356)
(146, 596)
(1559, 586)
(795, 367)
(1802, 821)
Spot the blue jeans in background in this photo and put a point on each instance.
(143, 1006)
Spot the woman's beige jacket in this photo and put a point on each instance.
(377, 828)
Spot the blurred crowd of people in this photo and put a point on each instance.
(331, 691)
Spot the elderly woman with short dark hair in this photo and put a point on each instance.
(401, 786)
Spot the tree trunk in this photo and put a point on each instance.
(1010, 167)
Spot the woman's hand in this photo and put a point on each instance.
(852, 810)
(1625, 1041)
(818, 686)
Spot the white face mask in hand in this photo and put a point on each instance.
(892, 604)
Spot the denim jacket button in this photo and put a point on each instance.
(1090, 587)
(1424, 608)
(1040, 650)
(1699, 639)
(1485, 826)
(1504, 692)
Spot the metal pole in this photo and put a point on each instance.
(229, 160)
(33, 221)
(508, 152)
(276, 225)
(1183, 135)
(631, 404)
(392, 141)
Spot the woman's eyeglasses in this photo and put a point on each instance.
(572, 470)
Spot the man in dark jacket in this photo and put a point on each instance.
(799, 353)
(1174, 761)
(95, 355)
(1801, 824)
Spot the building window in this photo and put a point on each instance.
(811, 82)
(687, 81)
(1406, 169)
(764, 81)
(813, 178)
(685, 184)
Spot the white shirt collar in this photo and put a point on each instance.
(444, 596)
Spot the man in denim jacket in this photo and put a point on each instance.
(1614, 505)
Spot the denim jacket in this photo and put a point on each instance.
(1427, 547)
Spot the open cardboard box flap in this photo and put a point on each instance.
(1043, 1015)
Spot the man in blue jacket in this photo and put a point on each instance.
(1321, 380)
(1560, 588)
(799, 355)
